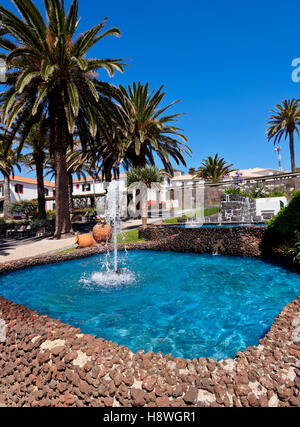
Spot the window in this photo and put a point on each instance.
(1, 206)
(1, 191)
(19, 188)
(86, 187)
(46, 192)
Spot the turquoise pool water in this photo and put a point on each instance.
(189, 305)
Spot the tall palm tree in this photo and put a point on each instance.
(78, 163)
(38, 142)
(284, 121)
(149, 176)
(49, 72)
(214, 168)
(8, 161)
(149, 131)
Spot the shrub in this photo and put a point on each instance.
(42, 223)
(23, 207)
(287, 222)
(51, 215)
(258, 191)
(294, 251)
(277, 193)
(238, 191)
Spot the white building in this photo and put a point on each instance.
(170, 194)
(23, 188)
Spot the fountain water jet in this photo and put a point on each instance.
(112, 215)
(113, 273)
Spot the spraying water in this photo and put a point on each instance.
(112, 215)
(111, 274)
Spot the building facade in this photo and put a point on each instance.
(23, 188)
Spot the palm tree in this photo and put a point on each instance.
(192, 171)
(149, 176)
(38, 141)
(49, 72)
(77, 163)
(8, 160)
(284, 121)
(148, 131)
(214, 168)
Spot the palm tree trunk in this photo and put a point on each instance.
(292, 151)
(70, 193)
(60, 140)
(39, 164)
(62, 219)
(6, 202)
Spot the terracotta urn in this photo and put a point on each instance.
(102, 232)
(85, 240)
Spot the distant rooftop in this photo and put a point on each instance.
(27, 180)
(256, 172)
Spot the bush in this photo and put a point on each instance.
(287, 222)
(51, 215)
(277, 193)
(294, 251)
(42, 223)
(238, 191)
(23, 207)
(258, 191)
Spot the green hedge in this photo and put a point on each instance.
(287, 222)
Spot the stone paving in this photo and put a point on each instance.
(44, 362)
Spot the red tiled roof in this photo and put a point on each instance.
(29, 180)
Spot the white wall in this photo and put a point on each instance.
(99, 187)
(270, 204)
(29, 193)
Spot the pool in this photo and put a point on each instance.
(187, 304)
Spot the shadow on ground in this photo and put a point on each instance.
(8, 244)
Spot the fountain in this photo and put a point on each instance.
(112, 215)
(112, 272)
(247, 211)
(220, 219)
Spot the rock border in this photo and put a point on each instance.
(45, 362)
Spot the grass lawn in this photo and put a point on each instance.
(207, 212)
(65, 251)
(130, 236)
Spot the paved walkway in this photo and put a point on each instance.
(11, 249)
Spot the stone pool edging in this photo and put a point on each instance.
(45, 362)
(236, 241)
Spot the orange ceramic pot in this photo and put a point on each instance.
(85, 240)
(102, 233)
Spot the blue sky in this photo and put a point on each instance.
(228, 61)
